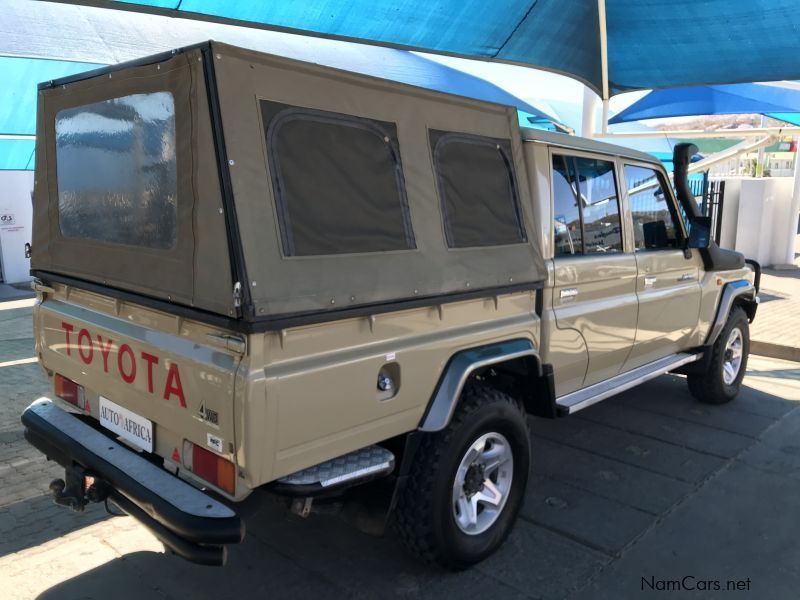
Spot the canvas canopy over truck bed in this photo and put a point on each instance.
(267, 192)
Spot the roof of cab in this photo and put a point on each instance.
(580, 143)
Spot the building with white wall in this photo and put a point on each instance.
(16, 215)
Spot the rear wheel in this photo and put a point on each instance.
(467, 482)
(723, 378)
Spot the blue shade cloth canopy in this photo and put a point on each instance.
(649, 43)
(791, 118)
(18, 98)
(20, 77)
(17, 155)
(741, 98)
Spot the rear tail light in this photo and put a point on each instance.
(209, 466)
(68, 390)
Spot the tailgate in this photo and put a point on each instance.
(144, 365)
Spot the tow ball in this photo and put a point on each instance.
(78, 490)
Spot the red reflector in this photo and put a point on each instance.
(213, 468)
(68, 390)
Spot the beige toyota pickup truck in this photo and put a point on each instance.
(253, 272)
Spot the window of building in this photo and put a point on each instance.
(586, 206)
(477, 190)
(656, 224)
(116, 171)
(338, 182)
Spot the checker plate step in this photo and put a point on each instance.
(368, 463)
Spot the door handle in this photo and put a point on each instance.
(568, 293)
(649, 280)
(686, 277)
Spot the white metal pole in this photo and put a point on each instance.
(761, 155)
(589, 111)
(701, 133)
(794, 213)
(601, 19)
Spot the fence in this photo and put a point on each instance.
(710, 196)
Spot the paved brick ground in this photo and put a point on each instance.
(14, 292)
(776, 330)
(647, 483)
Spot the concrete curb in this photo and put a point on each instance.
(774, 350)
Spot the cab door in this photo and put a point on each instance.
(594, 278)
(667, 283)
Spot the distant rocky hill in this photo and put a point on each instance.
(711, 123)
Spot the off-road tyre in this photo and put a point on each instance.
(424, 515)
(710, 387)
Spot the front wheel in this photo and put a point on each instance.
(467, 482)
(728, 362)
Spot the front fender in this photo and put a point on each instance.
(739, 291)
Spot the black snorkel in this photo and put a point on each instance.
(681, 157)
(714, 257)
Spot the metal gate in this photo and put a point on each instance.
(710, 195)
(712, 204)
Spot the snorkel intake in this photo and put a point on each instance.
(714, 257)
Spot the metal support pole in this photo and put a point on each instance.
(601, 18)
(761, 156)
(794, 213)
(589, 111)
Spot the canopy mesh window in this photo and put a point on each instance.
(477, 190)
(338, 182)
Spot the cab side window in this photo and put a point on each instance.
(586, 206)
(566, 214)
(656, 224)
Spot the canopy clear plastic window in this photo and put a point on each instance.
(477, 190)
(338, 182)
(117, 171)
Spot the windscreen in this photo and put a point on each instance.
(117, 171)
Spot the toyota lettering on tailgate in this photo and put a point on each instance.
(127, 365)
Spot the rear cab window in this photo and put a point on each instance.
(586, 214)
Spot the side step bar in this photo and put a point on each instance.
(340, 472)
(575, 401)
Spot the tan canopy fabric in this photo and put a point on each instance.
(109, 153)
(283, 284)
(342, 191)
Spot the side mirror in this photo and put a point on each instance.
(700, 232)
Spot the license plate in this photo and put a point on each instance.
(126, 424)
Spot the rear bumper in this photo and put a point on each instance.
(189, 522)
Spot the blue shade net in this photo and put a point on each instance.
(651, 43)
(21, 77)
(732, 99)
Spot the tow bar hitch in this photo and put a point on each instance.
(78, 490)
